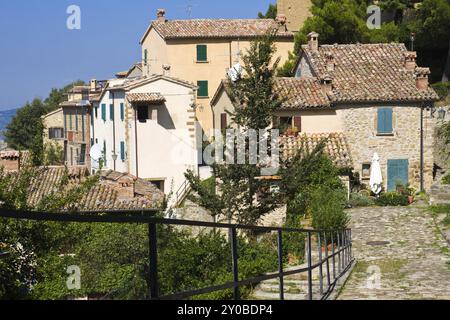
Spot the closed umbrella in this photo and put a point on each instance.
(376, 180)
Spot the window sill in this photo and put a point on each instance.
(207, 97)
(385, 134)
(201, 62)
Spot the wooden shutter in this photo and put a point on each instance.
(223, 121)
(122, 112)
(103, 112)
(385, 120)
(111, 112)
(122, 150)
(202, 54)
(298, 123)
(202, 88)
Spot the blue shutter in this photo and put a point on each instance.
(397, 173)
(111, 112)
(385, 120)
(122, 112)
(122, 150)
(103, 112)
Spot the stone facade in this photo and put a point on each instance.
(296, 12)
(52, 121)
(360, 128)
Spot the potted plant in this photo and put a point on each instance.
(294, 131)
(411, 194)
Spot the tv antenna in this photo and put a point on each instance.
(189, 8)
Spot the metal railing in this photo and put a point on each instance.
(331, 265)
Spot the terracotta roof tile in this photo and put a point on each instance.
(336, 147)
(301, 93)
(216, 28)
(367, 72)
(145, 97)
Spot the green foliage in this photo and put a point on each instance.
(361, 200)
(442, 89)
(327, 207)
(392, 199)
(53, 154)
(446, 179)
(270, 14)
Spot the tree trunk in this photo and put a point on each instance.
(446, 73)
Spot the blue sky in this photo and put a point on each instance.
(38, 52)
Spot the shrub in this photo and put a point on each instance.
(442, 89)
(446, 179)
(392, 199)
(327, 207)
(361, 200)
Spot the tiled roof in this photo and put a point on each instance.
(301, 93)
(336, 146)
(145, 97)
(216, 28)
(367, 72)
(104, 195)
(75, 103)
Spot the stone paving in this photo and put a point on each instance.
(414, 265)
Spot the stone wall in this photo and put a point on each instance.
(360, 127)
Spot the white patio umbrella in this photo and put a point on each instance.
(376, 180)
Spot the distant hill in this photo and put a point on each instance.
(5, 118)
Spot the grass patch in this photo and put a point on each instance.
(385, 265)
(439, 209)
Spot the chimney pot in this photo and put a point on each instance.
(327, 83)
(422, 78)
(161, 15)
(410, 60)
(313, 41)
(330, 62)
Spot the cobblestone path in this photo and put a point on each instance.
(414, 265)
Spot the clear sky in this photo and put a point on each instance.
(38, 52)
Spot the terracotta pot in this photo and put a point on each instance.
(410, 199)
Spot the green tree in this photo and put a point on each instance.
(270, 14)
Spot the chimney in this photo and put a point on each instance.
(327, 84)
(410, 60)
(313, 41)
(161, 15)
(281, 20)
(330, 62)
(93, 84)
(422, 78)
(166, 69)
(125, 188)
(10, 160)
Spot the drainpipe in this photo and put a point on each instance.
(136, 141)
(114, 131)
(421, 150)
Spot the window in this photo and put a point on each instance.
(104, 153)
(298, 123)
(223, 121)
(56, 133)
(70, 122)
(96, 112)
(142, 113)
(122, 112)
(145, 57)
(122, 150)
(384, 121)
(202, 53)
(83, 155)
(111, 112)
(366, 170)
(158, 184)
(76, 120)
(103, 112)
(202, 89)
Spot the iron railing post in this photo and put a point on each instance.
(319, 245)
(334, 257)
(153, 262)
(280, 263)
(328, 259)
(339, 251)
(234, 257)
(310, 293)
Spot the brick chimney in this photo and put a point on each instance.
(330, 62)
(410, 60)
(422, 78)
(327, 83)
(313, 41)
(161, 15)
(281, 19)
(125, 188)
(10, 160)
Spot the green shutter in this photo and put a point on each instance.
(122, 112)
(111, 112)
(385, 120)
(145, 56)
(103, 112)
(104, 150)
(122, 150)
(202, 88)
(202, 53)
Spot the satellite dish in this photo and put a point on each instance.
(96, 152)
(235, 72)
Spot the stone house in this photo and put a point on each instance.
(202, 51)
(54, 132)
(146, 127)
(373, 94)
